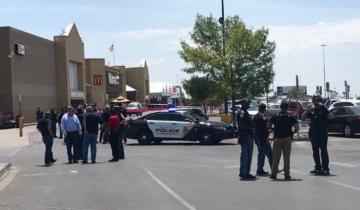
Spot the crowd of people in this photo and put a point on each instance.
(80, 129)
(284, 126)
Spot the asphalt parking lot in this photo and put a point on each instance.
(178, 175)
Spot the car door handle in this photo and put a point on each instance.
(173, 123)
(151, 123)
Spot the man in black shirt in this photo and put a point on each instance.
(91, 124)
(260, 122)
(246, 140)
(44, 127)
(53, 118)
(60, 115)
(39, 114)
(283, 131)
(104, 134)
(318, 135)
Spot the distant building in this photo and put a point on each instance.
(284, 90)
(164, 93)
(36, 72)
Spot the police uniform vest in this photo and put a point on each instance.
(283, 124)
(244, 122)
(260, 121)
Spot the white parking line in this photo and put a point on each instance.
(346, 165)
(170, 191)
(344, 185)
(330, 181)
(13, 153)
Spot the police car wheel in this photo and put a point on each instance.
(348, 131)
(144, 137)
(206, 137)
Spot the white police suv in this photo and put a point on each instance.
(177, 125)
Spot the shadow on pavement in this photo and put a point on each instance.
(182, 144)
(289, 180)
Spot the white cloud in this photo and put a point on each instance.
(309, 37)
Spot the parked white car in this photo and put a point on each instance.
(344, 103)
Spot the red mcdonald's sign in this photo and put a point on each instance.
(97, 79)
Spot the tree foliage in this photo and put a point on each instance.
(199, 88)
(247, 68)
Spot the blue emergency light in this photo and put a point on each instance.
(172, 110)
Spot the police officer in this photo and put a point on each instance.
(260, 122)
(246, 135)
(318, 115)
(283, 131)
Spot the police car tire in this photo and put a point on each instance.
(148, 137)
(348, 131)
(206, 137)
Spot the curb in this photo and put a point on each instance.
(4, 167)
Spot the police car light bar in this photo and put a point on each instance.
(172, 110)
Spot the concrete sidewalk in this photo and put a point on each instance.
(9, 138)
(4, 167)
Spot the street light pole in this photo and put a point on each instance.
(323, 51)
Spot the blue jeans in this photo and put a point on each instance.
(264, 149)
(89, 139)
(246, 154)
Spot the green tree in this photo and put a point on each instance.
(247, 68)
(199, 88)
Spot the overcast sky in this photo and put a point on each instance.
(152, 29)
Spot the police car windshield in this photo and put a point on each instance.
(194, 116)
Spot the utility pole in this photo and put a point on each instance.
(323, 51)
(222, 22)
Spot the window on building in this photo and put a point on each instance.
(120, 84)
(73, 72)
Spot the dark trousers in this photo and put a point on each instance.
(48, 141)
(72, 146)
(117, 147)
(61, 132)
(53, 128)
(80, 147)
(319, 142)
(264, 149)
(247, 146)
(104, 136)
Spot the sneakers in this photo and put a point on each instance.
(54, 160)
(287, 177)
(84, 162)
(273, 177)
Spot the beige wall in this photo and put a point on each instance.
(97, 92)
(69, 48)
(138, 78)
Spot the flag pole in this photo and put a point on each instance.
(113, 55)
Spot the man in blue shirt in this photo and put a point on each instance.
(72, 130)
